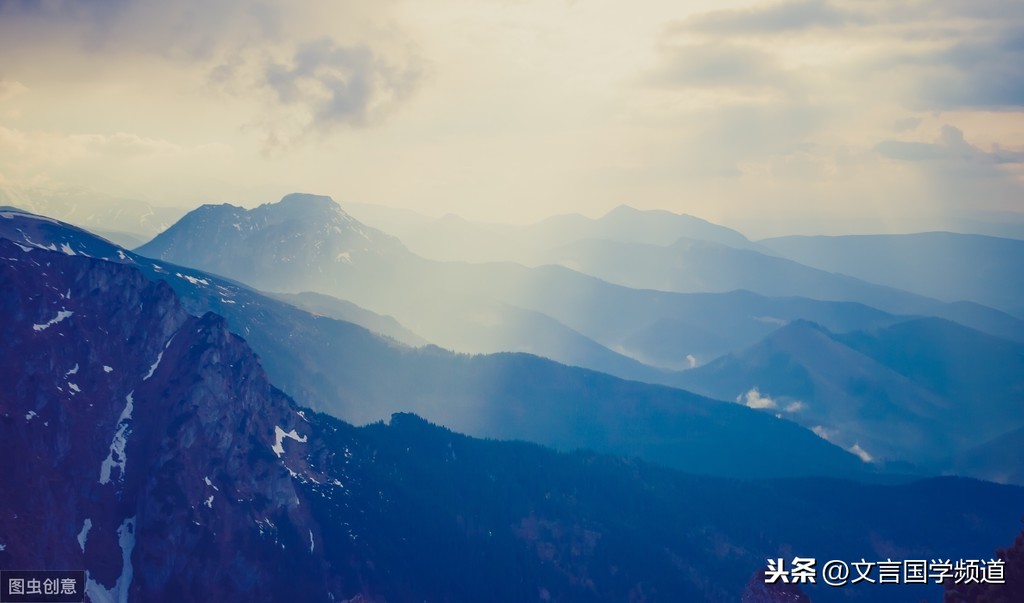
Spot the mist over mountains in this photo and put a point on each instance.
(451, 238)
(289, 375)
(356, 375)
(925, 390)
(183, 472)
(497, 304)
(724, 344)
(947, 266)
(128, 222)
(689, 265)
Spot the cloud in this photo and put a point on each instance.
(951, 146)
(943, 55)
(778, 117)
(796, 406)
(298, 66)
(958, 175)
(824, 432)
(906, 124)
(180, 30)
(863, 454)
(340, 84)
(718, 65)
(754, 399)
(911, 151)
(955, 55)
(984, 72)
(930, 19)
(775, 18)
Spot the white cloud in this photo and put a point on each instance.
(949, 147)
(754, 399)
(338, 84)
(863, 454)
(824, 432)
(796, 406)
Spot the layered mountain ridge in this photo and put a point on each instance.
(693, 265)
(926, 390)
(150, 449)
(944, 265)
(352, 374)
(552, 311)
(275, 244)
(866, 405)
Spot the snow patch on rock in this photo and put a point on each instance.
(61, 315)
(119, 592)
(280, 435)
(116, 457)
(83, 536)
(152, 368)
(192, 279)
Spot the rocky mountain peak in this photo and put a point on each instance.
(307, 199)
(275, 246)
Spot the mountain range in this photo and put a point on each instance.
(150, 449)
(925, 391)
(345, 370)
(549, 310)
(676, 252)
(690, 265)
(129, 222)
(810, 372)
(947, 266)
(451, 238)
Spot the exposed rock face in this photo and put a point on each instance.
(139, 441)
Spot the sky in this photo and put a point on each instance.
(774, 117)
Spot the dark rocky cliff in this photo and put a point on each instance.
(138, 440)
